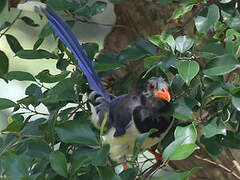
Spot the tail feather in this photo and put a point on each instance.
(69, 39)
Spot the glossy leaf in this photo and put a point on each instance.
(58, 163)
(203, 24)
(98, 7)
(6, 103)
(214, 127)
(75, 132)
(183, 43)
(163, 40)
(188, 70)
(231, 140)
(15, 123)
(236, 101)
(212, 145)
(183, 151)
(189, 132)
(15, 166)
(13, 43)
(77, 164)
(4, 63)
(221, 65)
(61, 4)
(19, 75)
(183, 108)
(46, 77)
(29, 21)
(183, 145)
(181, 11)
(35, 54)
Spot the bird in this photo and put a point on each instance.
(128, 115)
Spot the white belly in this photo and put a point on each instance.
(122, 146)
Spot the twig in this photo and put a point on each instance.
(16, 18)
(218, 165)
(91, 22)
(34, 111)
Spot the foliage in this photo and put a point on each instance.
(62, 144)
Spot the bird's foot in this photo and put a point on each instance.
(158, 156)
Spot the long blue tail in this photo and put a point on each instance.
(69, 39)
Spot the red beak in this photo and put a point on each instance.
(165, 95)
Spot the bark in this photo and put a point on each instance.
(141, 18)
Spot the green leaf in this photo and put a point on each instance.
(15, 166)
(77, 164)
(203, 24)
(162, 62)
(178, 85)
(139, 142)
(212, 145)
(98, 7)
(75, 132)
(19, 75)
(183, 145)
(96, 157)
(46, 77)
(6, 103)
(91, 49)
(108, 174)
(183, 43)
(182, 10)
(38, 43)
(116, 1)
(231, 140)
(183, 108)
(37, 148)
(212, 50)
(29, 21)
(188, 70)
(4, 63)
(236, 101)
(60, 5)
(163, 40)
(46, 31)
(221, 65)
(35, 54)
(130, 173)
(2, 5)
(183, 151)
(63, 91)
(107, 61)
(214, 127)
(33, 128)
(58, 163)
(13, 43)
(84, 11)
(232, 41)
(15, 125)
(189, 132)
(183, 175)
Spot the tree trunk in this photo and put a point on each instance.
(140, 18)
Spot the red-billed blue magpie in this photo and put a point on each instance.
(127, 115)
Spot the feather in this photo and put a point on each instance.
(69, 39)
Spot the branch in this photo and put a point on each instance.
(218, 165)
(16, 18)
(91, 22)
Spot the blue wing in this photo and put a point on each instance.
(69, 39)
